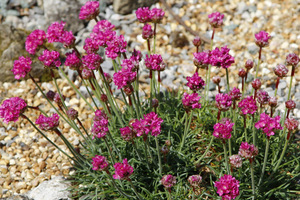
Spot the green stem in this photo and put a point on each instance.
(137, 151)
(234, 121)
(257, 67)
(252, 179)
(227, 78)
(282, 154)
(146, 153)
(148, 147)
(289, 94)
(117, 187)
(265, 161)
(188, 120)
(226, 158)
(208, 81)
(158, 155)
(135, 191)
(229, 146)
(207, 149)
(109, 151)
(253, 128)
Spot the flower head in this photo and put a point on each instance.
(197, 41)
(154, 62)
(268, 124)
(57, 99)
(156, 15)
(248, 105)
(281, 70)
(143, 15)
(242, 73)
(102, 26)
(127, 133)
(122, 170)
(115, 47)
(139, 127)
(216, 80)
(56, 33)
(89, 10)
(12, 108)
(34, 40)
(273, 101)
(223, 101)
(92, 61)
(48, 123)
(290, 104)
(72, 113)
(249, 64)
(248, 151)
(168, 181)
(21, 67)
(147, 32)
(195, 180)
(235, 94)
(99, 163)
(263, 97)
(191, 101)
(124, 77)
(86, 74)
(235, 161)
(215, 19)
(92, 45)
(73, 61)
(195, 82)
(221, 57)
(100, 125)
(153, 123)
(292, 59)
(291, 124)
(202, 59)
(50, 58)
(262, 39)
(227, 187)
(223, 129)
(256, 84)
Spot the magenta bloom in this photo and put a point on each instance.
(281, 70)
(99, 163)
(129, 64)
(153, 123)
(202, 59)
(191, 101)
(268, 124)
(168, 181)
(50, 58)
(248, 151)
(139, 127)
(291, 124)
(100, 126)
(124, 77)
(127, 133)
(73, 61)
(11, 109)
(235, 94)
(221, 58)
(143, 15)
(223, 129)
(89, 10)
(156, 15)
(72, 113)
(263, 97)
(223, 101)
(154, 62)
(147, 32)
(248, 105)
(56, 33)
(195, 180)
(227, 187)
(122, 170)
(215, 19)
(292, 59)
(290, 104)
(235, 161)
(92, 61)
(21, 67)
(195, 82)
(48, 123)
(249, 64)
(68, 39)
(262, 39)
(115, 47)
(34, 40)
(102, 26)
(256, 84)
(92, 45)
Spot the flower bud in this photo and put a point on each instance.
(195, 180)
(235, 161)
(50, 95)
(147, 32)
(281, 70)
(292, 59)
(256, 84)
(131, 122)
(263, 97)
(168, 143)
(249, 64)
(273, 101)
(242, 73)
(86, 74)
(104, 98)
(291, 124)
(57, 99)
(72, 113)
(155, 103)
(164, 150)
(197, 41)
(127, 91)
(216, 80)
(290, 104)
(108, 78)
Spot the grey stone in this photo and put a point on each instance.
(107, 66)
(83, 91)
(13, 12)
(282, 84)
(212, 86)
(242, 7)
(252, 48)
(17, 197)
(127, 6)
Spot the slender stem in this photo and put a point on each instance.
(245, 127)
(289, 94)
(226, 158)
(117, 187)
(277, 84)
(135, 191)
(146, 152)
(282, 154)
(252, 179)
(229, 146)
(158, 155)
(207, 149)
(109, 151)
(154, 38)
(188, 120)
(253, 128)
(257, 67)
(265, 161)
(148, 147)
(137, 151)
(227, 78)
(234, 121)
(209, 67)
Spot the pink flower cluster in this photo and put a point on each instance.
(227, 187)
(235, 94)
(100, 125)
(35, 39)
(154, 62)
(122, 170)
(223, 129)
(202, 59)
(291, 124)
(92, 61)
(115, 47)
(147, 32)
(11, 109)
(195, 82)
(215, 19)
(73, 61)
(235, 161)
(56, 33)
(281, 70)
(248, 105)
(124, 77)
(263, 97)
(268, 124)
(191, 101)
(21, 67)
(72, 113)
(145, 15)
(256, 84)
(102, 33)
(195, 180)
(223, 101)
(262, 39)
(290, 104)
(89, 10)
(99, 163)
(292, 59)
(150, 123)
(248, 151)
(50, 58)
(127, 133)
(48, 123)
(168, 181)
(221, 58)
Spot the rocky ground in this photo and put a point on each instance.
(27, 159)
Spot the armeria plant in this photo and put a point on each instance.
(235, 147)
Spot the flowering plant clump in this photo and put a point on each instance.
(140, 127)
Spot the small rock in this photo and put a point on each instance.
(252, 48)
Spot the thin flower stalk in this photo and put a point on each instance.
(227, 78)
(252, 178)
(109, 151)
(209, 66)
(158, 156)
(188, 120)
(265, 161)
(253, 128)
(135, 191)
(226, 158)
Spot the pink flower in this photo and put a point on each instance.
(168, 181)
(197, 41)
(248, 151)
(256, 84)
(72, 113)
(57, 99)
(21, 67)
(235, 94)
(156, 15)
(195, 180)
(56, 33)
(191, 101)
(291, 124)
(281, 70)
(221, 58)
(262, 39)
(227, 187)
(249, 64)
(89, 10)
(215, 19)
(223, 101)
(91, 45)
(124, 77)
(34, 40)
(12, 108)
(195, 82)
(292, 59)
(235, 161)
(263, 97)
(248, 105)
(50, 58)
(143, 15)
(147, 32)
(99, 163)
(290, 104)
(122, 170)
(154, 62)
(100, 126)
(202, 59)
(48, 123)
(153, 123)
(273, 101)
(73, 61)
(102, 26)
(139, 127)
(115, 47)
(223, 129)
(92, 61)
(127, 133)
(268, 124)
(68, 39)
